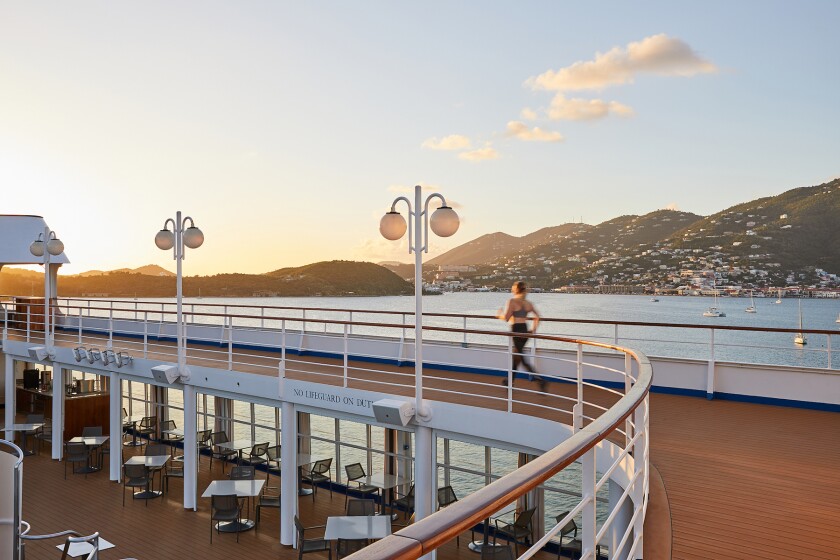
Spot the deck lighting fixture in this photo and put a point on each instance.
(54, 247)
(108, 357)
(80, 353)
(39, 353)
(93, 355)
(178, 238)
(444, 222)
(123, 359)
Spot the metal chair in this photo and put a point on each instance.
(361, 507)
(268, 498)
(75, 453)
(92, 431)
(43, 434)
(170, 439)
(148, 428)
(202, 439)
(520, 528)
(306, 546)
(356, 472)
(244, 472)
(173, 471)
(568, 538)
(218, 453)
(405, 502)
(136, 476)
(445, 497)
(273, 460)
(320, 473)
(224, 508)
(156, 450)
(257, 455)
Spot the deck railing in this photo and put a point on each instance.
(609, 421)
(759, 345)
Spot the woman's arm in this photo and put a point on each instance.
(506, 313)
(535, 319)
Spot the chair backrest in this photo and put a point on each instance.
(410, 492)
(77, 451)
(354, 471)
(299, 527)
(91, 431)
(273, 453)
(361, 507)
(224, 502)
(34, 418)
(523, 520)
(148, 422)
(322, 466)
(244, 472)
(219, 437)
(169, 425)
(135, 472)
(497, 552)
(259, 449)
(446, 496)
(570, 528)
(156, 449)
(125, 413)
(203, 437)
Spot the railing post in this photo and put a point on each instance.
(510, 374)
(828, 336)
(345, 354)
(80, 326)
(351, 322)
(230, 342)
(111, 327)
(262, 317)
(577, 410)
(28, 321)
(588, 519)
(303, 324)
(628, 424)
(710, 370)
(464, 343)
(640, 457)
(145, 334)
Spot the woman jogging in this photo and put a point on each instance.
(516, 312)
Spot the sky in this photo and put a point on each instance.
(286, 129)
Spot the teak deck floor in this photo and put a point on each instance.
(742, 481)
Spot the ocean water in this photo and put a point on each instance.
(470, 460)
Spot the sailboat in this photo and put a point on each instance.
(751, 308)
(800, 338)
(779, 299)
(713, 311)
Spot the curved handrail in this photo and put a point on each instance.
(72, 537)
(428, 534)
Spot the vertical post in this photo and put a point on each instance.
(510, 375)
(230, 342)
(116, 421)
(640, 458)
(418, 306)
(828, 337)
(577, 410)
(190, 447)
(288, 483)
(111, 327)
(47, 293)
(588, 520)
(345, 354)
(145, 334)
(424, 486)
(179, 317)
(80, 326)
(464, 343)
(57, 412)
(351, 322)
(11, 394)
(710, 370)
(628, 425)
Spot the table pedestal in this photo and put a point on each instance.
(234, 526)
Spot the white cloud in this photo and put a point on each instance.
(451, 142)
(528, 114)
(521, 130)
(657, 54)
(481, 154)
(585, 109)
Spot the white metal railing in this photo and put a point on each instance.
(761, 346)
(268, 342)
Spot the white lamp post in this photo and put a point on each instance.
(178, 239)
(54, 247)
(444, 222)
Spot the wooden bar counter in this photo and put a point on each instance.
(80, 410)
